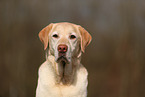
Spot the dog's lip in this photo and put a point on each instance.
(62, 54)
(62, 58)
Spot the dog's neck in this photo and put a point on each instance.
(64, 72)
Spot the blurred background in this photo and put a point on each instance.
(115, 59)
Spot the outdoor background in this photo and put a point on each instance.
(115, 59)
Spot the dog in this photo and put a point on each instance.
(62, 74)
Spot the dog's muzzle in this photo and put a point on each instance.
(62, 49)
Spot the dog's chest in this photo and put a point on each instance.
(68, 91)
(47, 87)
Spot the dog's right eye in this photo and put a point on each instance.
(55, 36)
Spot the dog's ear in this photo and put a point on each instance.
(85, 38)
(43, 35)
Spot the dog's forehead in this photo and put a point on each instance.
(65, 28)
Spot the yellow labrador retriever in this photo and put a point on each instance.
(62, 74)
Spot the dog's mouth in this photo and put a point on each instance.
(62, 59)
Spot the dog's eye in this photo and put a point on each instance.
(55, 36)
(72, 36)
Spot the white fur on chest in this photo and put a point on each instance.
(47, 86)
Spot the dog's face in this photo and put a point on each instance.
(65, 40)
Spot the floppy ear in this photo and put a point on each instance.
(43, 35)
(85, 38)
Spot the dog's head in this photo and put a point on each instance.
(66, 40)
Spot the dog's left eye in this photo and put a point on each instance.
(55, 36)
(72, 36)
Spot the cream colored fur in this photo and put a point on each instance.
(70, 81)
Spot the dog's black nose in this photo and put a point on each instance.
(62, 48)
